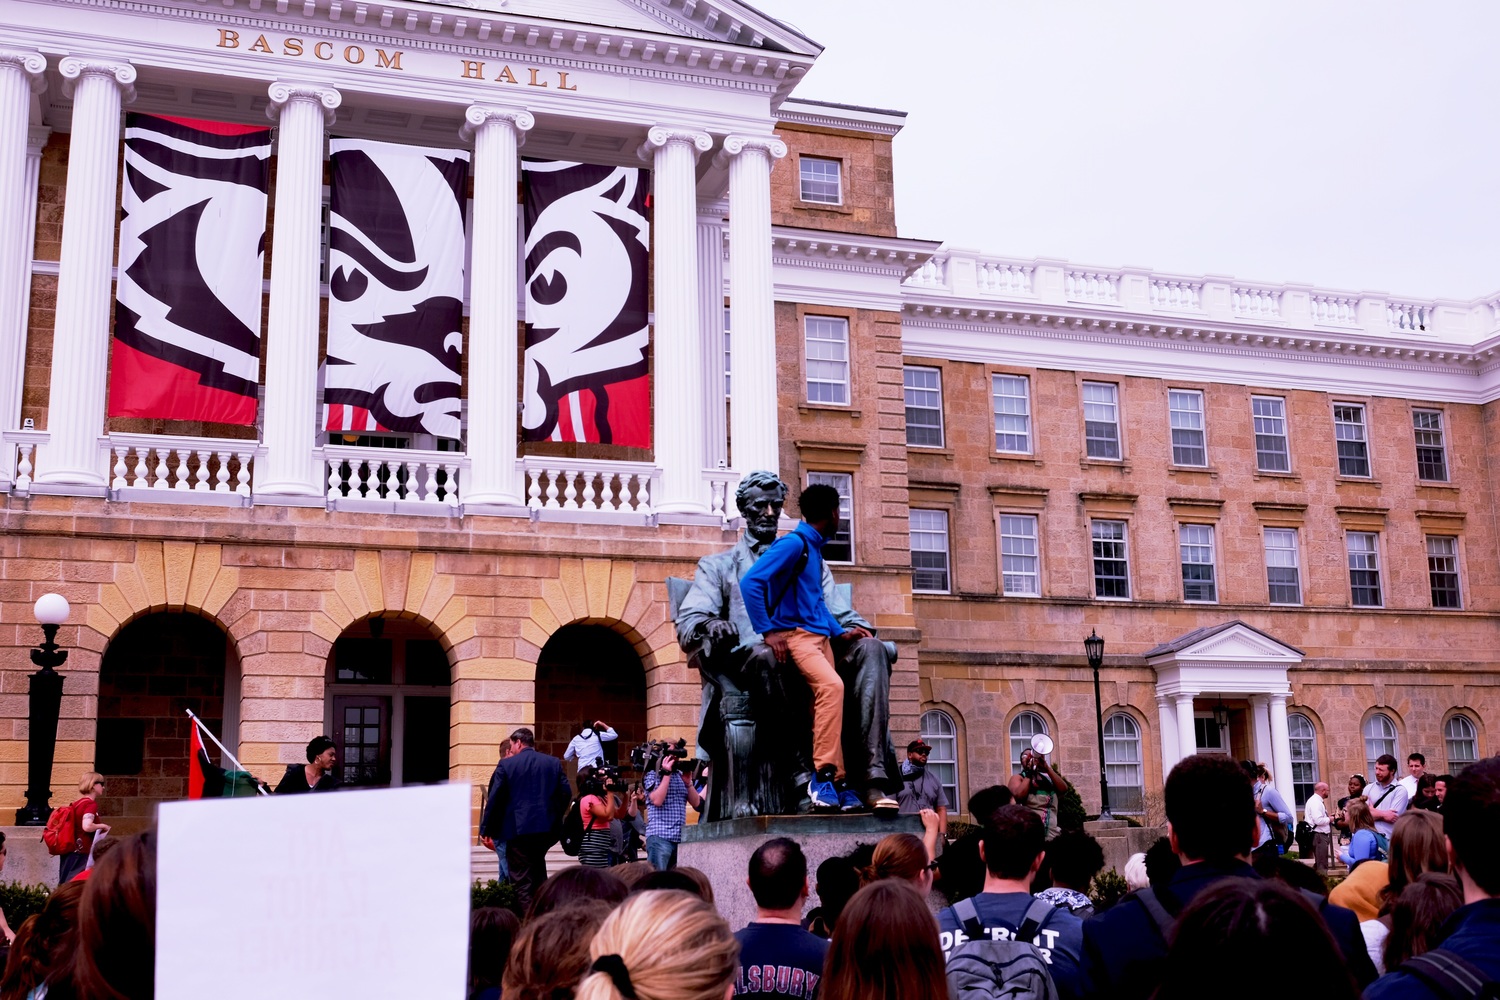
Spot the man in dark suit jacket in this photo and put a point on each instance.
(528, 798)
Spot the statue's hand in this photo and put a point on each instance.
(853, 633)
(719, 631)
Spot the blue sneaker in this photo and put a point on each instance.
(823, 795)
(848, 801)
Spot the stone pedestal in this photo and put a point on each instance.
(26, 857)
(1120, 840)
(722, 850)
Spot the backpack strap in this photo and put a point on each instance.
(1164, 919)
(1450, 974)
(1036, 916)
(968, 916)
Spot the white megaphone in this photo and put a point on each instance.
(1042, 744)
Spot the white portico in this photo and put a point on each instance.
(690, 88)
(1229, 661)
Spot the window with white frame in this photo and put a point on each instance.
(1271, 451)
(821, 180)
(1349, 435)
(1195, 544)
(924, 406)
(1432, 457)
(827, 359)
(939, 732)
(1304, 740)
(839, 548)
(1364, 568)
(1012, 401)
(1462, 740)
(1380, 739)
(929, 551)
(1283, 568)
(1442, 571)
(1122, 764)
(1019, 562)
(1022, 728)
(1189, 444)
(1111, 559)
(1101, 419)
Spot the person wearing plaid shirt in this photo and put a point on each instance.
(668, 800)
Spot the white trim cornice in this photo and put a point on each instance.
(849, 251)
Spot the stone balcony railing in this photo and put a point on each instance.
(975, 277)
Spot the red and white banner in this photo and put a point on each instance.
(587, 261)
(188, 297)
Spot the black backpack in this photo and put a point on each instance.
(1451, 976)
(571, 836)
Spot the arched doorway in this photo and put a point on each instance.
(588, 672)
(156, 667)
(387, 702)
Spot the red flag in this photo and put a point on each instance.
(197, 764)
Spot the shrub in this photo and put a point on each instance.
(491, 893)
(1107, 889)
(1070, 811)
(20, 901)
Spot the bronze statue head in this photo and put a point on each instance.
(760, 497)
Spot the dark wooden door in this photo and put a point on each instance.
(362, 730)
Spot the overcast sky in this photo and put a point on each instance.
(1347, 145)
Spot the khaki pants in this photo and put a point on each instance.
(813, 656)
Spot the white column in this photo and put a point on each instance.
(711, 309)
(1166, 723)
(1260, 732)
(754, 443)
(493, 477)
(1187, 736)
(21, 75)
(80, 335)
(1281, 746)
(678, 358)
(287, 464)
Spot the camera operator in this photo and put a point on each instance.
(669, 791)
(1038, 788)
(599, 802)
(588, 745)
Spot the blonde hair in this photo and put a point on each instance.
(634, 933)
(86, 783)
(898, 855)
(1357, 815)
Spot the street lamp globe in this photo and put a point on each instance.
(52, 609)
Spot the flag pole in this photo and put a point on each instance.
(207, 732)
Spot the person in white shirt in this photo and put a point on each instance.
(588, 745)
(1316, 815)
(1416, 766)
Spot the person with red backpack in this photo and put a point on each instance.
(71, 829)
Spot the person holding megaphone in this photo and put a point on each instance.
(1038, 787)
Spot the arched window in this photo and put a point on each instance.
(1463, 743)
(1022, 728)
(1304, 739)
(1380, 739)
(1122, 764)
(939, 732)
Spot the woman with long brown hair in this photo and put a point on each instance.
(116, 958)
(885, 947)
(900, 856)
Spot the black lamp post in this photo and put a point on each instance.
(1221, 720)
(45, 696)
(1093, 647)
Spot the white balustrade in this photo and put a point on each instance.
(25, 445)
(392, 474)
(932, 273)
(721, 484)
(1250, 302)
(1176, 295)
(1410, 317)
(1335, 310)
(180, 465)
(1003, 277)
(570, 484)
(1093, 286)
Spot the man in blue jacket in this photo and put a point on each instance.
(529, 795)
(783, 593)
(1471, 951)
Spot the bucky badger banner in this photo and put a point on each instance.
(395, 288)
(188, 297)
(587, 243)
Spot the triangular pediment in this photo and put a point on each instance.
(1231, 642)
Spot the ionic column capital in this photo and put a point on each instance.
(283, 94)
(734, 145)
(33, 64)
(520, 120)
(1279, 698)
(36, 139)
(661, 136)
(72, 69)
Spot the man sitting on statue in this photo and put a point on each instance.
(751, 704)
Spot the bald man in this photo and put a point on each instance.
(1316, 815)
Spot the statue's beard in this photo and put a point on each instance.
(761, 531)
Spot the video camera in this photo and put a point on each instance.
(600, 779)
(658, 755)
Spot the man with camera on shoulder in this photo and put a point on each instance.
(669, 791)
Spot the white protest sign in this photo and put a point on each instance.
(351, 893)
